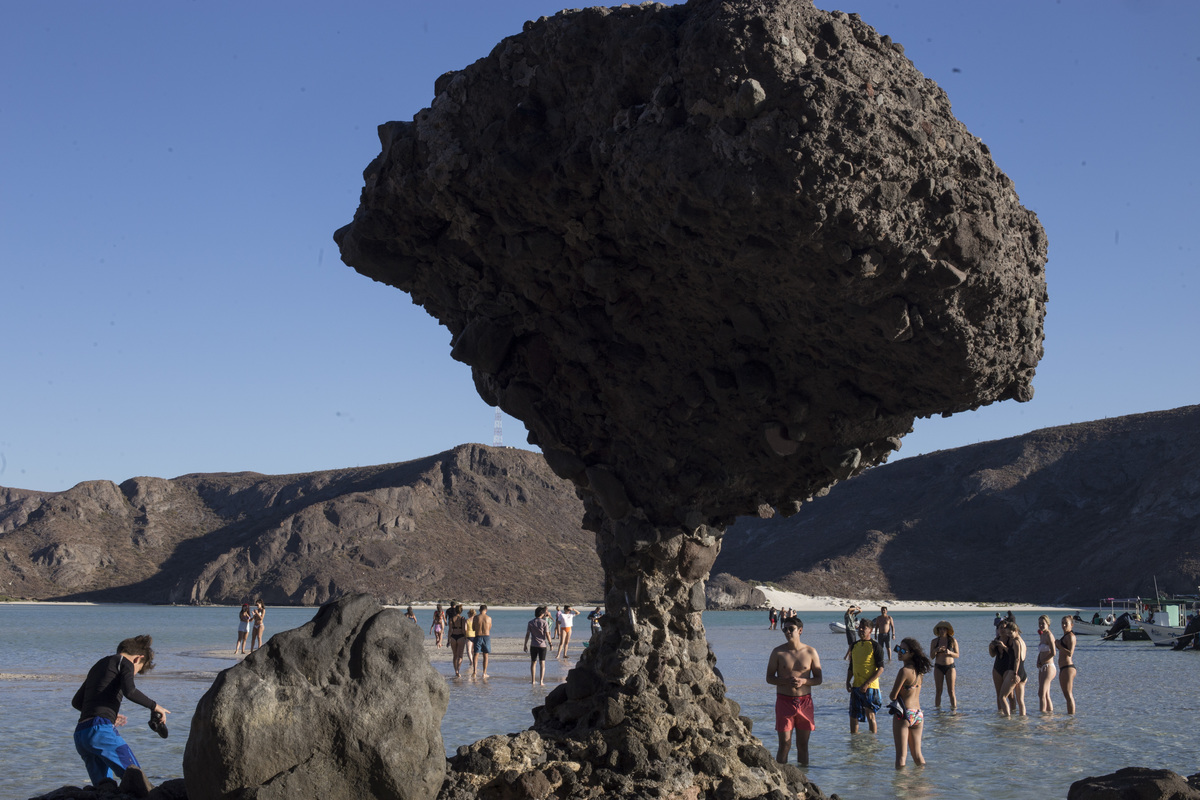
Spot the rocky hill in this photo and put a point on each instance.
(1061, 515)
(478, 523)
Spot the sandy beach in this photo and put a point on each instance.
(803, 602)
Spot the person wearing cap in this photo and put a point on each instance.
(944, 649)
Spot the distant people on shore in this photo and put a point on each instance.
(456, 625)
(908, 722)
(105, 754)
(594, 618)
(850, 620)
(944, 649)
(862, 678)
(1045, 664)
(439, 625)
(566, 621)
(537, 643)
(793, 668)
(243, 629)
(885, 629)
(257, 617)
(469, 630)
(483, 640)
(1066, 663)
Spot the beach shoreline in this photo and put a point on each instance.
(775, 597)
(812, 603)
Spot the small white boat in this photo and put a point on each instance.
(1162, 635)
(837, 627)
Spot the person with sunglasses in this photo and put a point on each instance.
(908, 722)
(793, 669)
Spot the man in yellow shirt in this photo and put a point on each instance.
(862, 678)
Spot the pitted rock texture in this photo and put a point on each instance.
(716, 256)
(526, 766)
(347, 706)
(1135, 783)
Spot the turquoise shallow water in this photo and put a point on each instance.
(1138, 705)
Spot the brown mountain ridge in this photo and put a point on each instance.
(475, 522)
(1062, 515)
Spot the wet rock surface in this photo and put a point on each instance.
(716, 257)
(346, 706)
(1137, 783)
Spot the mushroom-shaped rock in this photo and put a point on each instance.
(717, 257)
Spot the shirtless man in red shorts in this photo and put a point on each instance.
(793, 669)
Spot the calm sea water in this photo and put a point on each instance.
(1137, 704)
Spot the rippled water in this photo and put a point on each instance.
(1137, 704)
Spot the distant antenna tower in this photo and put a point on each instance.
(497, 431)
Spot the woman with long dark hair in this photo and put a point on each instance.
(908, 722)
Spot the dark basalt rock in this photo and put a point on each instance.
(719, 254)
(717, 257)
(1137, 783)
(347, 706)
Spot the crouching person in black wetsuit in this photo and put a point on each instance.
(104, 752)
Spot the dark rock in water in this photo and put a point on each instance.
(716, 257)
(1137, 783)
(167, 790)
(346, 706)
(724, 591)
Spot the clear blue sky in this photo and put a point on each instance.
(171, 175)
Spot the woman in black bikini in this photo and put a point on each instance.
(944, 649)
(458, 637)
(1066, 663)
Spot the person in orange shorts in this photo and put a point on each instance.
(793, 669)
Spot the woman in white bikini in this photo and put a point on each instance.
(1066, 663)
(908, 722)
(944, 649)
(438, 626)
(1045, 664)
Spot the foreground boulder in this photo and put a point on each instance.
(1137, 783)
(345, 707)
(716, 257)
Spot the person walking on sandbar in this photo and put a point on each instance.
(483, 638)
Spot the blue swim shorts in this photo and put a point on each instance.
(483, 644)
(864, 701)
(104, 752)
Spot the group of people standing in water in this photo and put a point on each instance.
(469, 636)
(1008, 670)
(793, 668)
